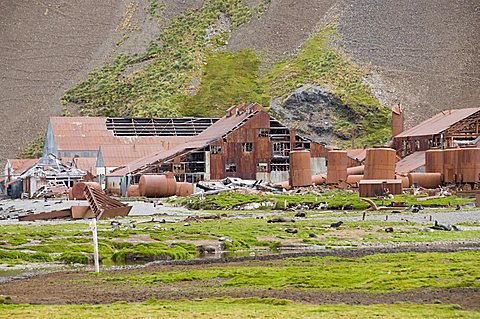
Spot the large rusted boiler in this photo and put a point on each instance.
(380, 163)
(337, 166)
(300, 171)
(157, 185)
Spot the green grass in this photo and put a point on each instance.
(232, 308)
(375, 273)
(334, 199)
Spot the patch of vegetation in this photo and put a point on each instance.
(74, 258)
(320, 64)
(333, 199)
(159, 88)
(374, 273)
(14, 257)
(228, 79)
(233, 308)
(155, 9)
(34, 149)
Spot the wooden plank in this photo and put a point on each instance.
(64, 213)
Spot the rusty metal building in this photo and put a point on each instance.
(447, 129)
(246, 143)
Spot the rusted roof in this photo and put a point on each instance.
(19, 166)
(411, 162)
(119, 155)
(88, 133)
(439, 122)
(86, 164)
(358, 154)
(219, 129)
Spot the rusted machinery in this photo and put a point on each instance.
(356, 170)
(380, 163)
(337, 167)
(468, 165)
(457, 165)
(450, 165)
(353, 180)
(300, 170)
(434, 161)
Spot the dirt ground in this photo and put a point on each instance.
(82, 288)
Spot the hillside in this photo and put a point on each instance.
(164, 58)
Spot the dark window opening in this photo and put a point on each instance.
(262, 167)
(247, 147)
(230, 168)
(216, 149)
(262, 132)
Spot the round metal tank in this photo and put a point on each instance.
(434, 161)
(78, 189)
(380, 163)
(354, 180)
(468, 165)
(157, 185)
(426, 180)
(337, 166)
(184, 189)
(356, 170)
(285, 184)
(133, 191)
(450, 165)
(319, 179)
(405, 181)
(300, 171)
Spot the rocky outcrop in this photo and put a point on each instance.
(313, 111)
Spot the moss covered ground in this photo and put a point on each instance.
(232, 308)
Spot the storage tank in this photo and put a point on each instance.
(426, 180)
(319, 179)
(450, 165)
(354, 180)
(133, 191)
(184, 189)
(468, 165)
(434, 161)
(337, 166)
(78, 189)
(300, 171)
(405, 181)
(157, 185)
(356, 170)
(380, 163)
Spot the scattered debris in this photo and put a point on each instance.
(281, 220)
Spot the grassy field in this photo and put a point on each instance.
(374, 273)
(233, 308)
(71, 242)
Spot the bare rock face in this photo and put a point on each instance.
(312, 111)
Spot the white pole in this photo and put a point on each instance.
(93, 227)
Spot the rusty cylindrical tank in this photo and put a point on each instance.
(434, 161)
(133, 191)
(78, 189)
(426, 180)
(450, 165)
(356, 170)
(300, 171)
(468, 165)
(380, 163)
(184, 189)
(319, 179)
(337, 166)
(157, 185)
(353, 180)
(405, 181)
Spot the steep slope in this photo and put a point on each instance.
(425, 54)
(46, 47)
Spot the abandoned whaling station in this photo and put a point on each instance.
(99, 157)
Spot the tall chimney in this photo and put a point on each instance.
(397, 120)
